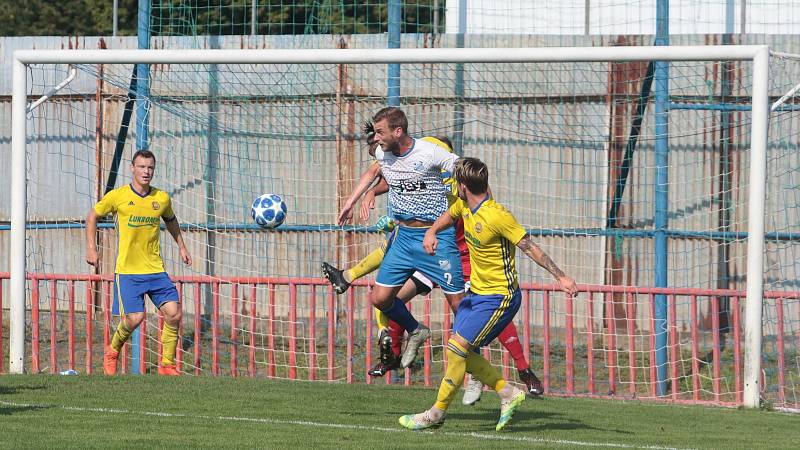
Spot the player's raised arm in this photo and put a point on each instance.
(534, 252)
(368, 204)
(366, 180)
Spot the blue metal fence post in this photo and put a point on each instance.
(142, 137)
(393, 80)
(458, 109)
(661, 194)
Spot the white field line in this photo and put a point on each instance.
(305, 423)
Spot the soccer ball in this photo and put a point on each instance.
(269, 211)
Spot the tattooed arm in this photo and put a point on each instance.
(535, 253)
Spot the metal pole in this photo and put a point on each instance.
(16, 348)
(755, 219)
(142, 137)
(587, 9)
(253, 17)
(724, 194)
(743, 18)
(436, 17)
(393, 81)
(210, 176)
(387, 56)
(729, 14)
(115, 18)
(661, 195)
(458, 110)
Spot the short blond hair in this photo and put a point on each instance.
(395, 118)
(472, 172)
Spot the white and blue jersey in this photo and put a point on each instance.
(416, 191)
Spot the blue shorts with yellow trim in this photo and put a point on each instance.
(129, 291)
(481, 318)
(405, 254)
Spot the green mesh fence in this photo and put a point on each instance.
(270, 17)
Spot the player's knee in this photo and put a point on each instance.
(133, 320)
(171, 311)
(173, 317)
(176, 318)
(380, 301)
(458, 346)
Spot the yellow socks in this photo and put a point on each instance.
(485, 372)
(169, 341)
(381, 319)
(369, 264)
(454, 377)
(120, 336)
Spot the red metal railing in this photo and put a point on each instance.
(561, 335)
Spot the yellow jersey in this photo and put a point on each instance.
(492, 234)
(138, 222)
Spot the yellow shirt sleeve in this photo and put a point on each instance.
(456, 209)
(168, 215)
(107, 204)
(508, 227)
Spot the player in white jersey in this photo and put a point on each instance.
(413, 170)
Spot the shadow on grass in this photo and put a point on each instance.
(9, 410)
(524, 421)
(530, 421)
(10, 390)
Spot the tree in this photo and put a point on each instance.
(216, 17)
(66, 17)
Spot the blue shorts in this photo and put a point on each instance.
(129, 290)
(481, 318)
(405, 255)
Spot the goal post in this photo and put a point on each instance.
(759, 99)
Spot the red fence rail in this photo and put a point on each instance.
(580, 352)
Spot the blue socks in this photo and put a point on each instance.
(400, 314)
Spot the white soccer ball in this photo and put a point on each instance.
(269, 210)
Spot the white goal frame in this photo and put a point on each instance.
(758, 54)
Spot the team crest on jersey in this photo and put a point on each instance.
(418, 166)
(156, 206)
(478, 227)
(445, 265)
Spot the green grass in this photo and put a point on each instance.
(45, 411)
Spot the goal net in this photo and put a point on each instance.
(634, 176)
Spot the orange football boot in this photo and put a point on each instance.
(110, 361)
(169, 370)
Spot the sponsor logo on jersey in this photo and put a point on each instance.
(403, 186)
(143, 221)
(471, 239)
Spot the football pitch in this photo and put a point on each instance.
(45, 411)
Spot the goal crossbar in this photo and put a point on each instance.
(379, 56)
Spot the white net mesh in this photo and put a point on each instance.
(572, 151)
